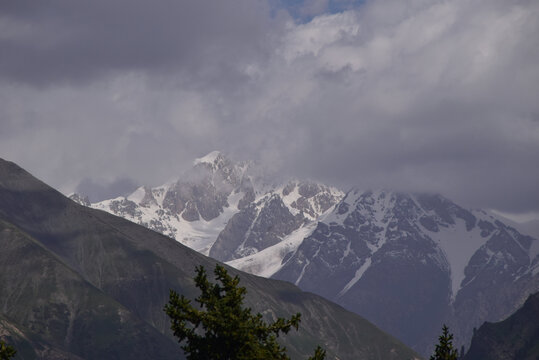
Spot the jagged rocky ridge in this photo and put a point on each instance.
(408, 262)
(81, 283)
(516, 337)
(220, 208)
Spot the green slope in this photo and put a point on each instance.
(95, 285)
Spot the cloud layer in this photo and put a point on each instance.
(410, 95)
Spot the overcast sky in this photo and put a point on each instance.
(422, 95)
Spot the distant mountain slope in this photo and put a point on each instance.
(74, 277)
(409, 262)
(194, 209)
(516, 337)
(220, 208)
(271, 218)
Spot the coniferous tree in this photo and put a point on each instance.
(319, 354)
(222, 329)
(6, 351)
(444, 349)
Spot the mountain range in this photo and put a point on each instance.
(411, 262)
(408, 262)
(80, 283)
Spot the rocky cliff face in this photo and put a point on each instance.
(275, 215)
(219, 208)
(194, 209)
(411, 262)
(516, 337)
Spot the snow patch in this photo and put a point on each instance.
(359, 273)
(268, 261)
(208, 159)
(290, 198)
(458, 246)
(305, 267)
(137, 195)
(199, 235)
(346, 252)
(349, 200)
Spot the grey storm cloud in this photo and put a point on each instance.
(52, 41)
(412, 95)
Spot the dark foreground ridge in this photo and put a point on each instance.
(517, 337)
(78, 283)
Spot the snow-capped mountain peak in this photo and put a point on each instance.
(209, 158)
(408, 262)
(201, 207)
(193, 209)
(385, 254)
